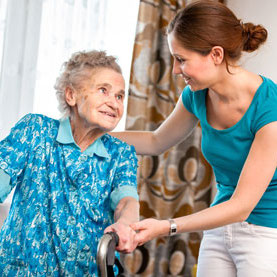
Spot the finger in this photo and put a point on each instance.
(137, 226)
(139, 240)
(108, 229)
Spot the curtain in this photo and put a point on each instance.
(178, 182)
(20, 49)
(20, 23)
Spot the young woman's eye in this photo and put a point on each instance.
(180, 60)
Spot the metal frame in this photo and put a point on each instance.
(106, 254)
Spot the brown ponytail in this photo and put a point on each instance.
(254, 35)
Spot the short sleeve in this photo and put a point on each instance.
(5, 186)
(125, 180)
(187, 98)
(14, 151)
(266, 111)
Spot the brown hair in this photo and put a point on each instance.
(204, 24)
(77, 69)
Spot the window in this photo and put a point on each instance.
(3, 11)
(36, 37)
(70, 26)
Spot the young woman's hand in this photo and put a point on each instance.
(149, 229)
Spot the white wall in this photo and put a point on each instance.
(264, 60)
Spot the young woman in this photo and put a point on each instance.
(237, 110)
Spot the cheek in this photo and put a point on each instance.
(200, 71)
(190, 69)
(121, 109)
(85, 104)
(206, 64)
(82, 102)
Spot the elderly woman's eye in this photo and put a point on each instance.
(102, 90)
(119, 97)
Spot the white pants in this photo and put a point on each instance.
(239, 249)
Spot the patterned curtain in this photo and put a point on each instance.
(178, 182)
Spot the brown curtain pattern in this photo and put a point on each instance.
(178, 182)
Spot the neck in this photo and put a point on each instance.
(236, 86)
(83, 134)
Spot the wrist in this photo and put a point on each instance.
(167, 228)
(172, 228)
(123, 222)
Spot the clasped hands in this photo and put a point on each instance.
(138, 233)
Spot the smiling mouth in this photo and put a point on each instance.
(187, 80)
(109, 114)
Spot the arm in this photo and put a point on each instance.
(126, 212)
(14, 152)
(251, 185)
(179, 125)
(5, 187)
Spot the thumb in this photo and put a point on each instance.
(136, 226)
(108, 229)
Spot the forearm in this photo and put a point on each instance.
(144, 141)
(222, 214)
(172, 131)
(127, 211)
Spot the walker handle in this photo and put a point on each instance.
(106, 254)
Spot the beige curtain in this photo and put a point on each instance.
(178, 182)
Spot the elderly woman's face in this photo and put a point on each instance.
(100, 101)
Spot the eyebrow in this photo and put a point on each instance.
(104, 85)
(178, 56)
(122, 92)
(109, 86)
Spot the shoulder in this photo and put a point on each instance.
(268, 90)
(39, 119)
(267, 95)
(36, 124)
(265, 110)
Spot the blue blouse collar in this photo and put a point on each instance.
(65, 137)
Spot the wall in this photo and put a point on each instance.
(264, 60)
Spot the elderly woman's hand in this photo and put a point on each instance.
(149, 229)
(127, 242)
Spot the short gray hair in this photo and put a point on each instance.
(76, 70)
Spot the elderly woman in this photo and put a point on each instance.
(72, 179)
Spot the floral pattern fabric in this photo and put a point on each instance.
(62, 200)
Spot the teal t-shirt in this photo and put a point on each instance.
(226, 150)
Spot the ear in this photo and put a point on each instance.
(217, 54)
(70, 96)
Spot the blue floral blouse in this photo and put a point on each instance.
(64, 198)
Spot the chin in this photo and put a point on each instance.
(108, 127)
(196, 88)
(109, 124)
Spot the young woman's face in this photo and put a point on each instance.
(197, 70)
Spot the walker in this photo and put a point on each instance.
(106, 256)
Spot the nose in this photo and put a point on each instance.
(176, 68)
(112, 102)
